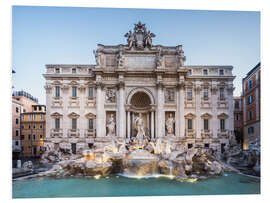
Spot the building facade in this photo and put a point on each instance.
(238, 119)
(33, 131)
(17, 109)
(191, 106)
(251, 95)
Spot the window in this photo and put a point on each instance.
(74, 91)
(189, 93)
(206, 146)
(22, 137)
(40, 127)
(40, 136)
(237, 117)
(17, 110)
(250, 115)
(41, 116)
(17, 132)
(74, 123)
(30, 117)
(221, 93)
(250, 130)
(16, 143)
(57, 123)
(91, 124)
(73, 70)
(17, 121)
(189, 72)
(29, 137)
(29, 126)
(205, 93)
(250, 99)
(91, 92)
(189, 146)
(189, 124)
(250, 84)
(222, 124)
(34, 137)
(35, 108)
(22, 117)
(57, 70)
(205, 124)
(22, 127)
(221, 72)
(236, 105)
(34, 126)
(57, 91)
(39, 108)
(205, 72)
(89, 71)
(34, 117)
(90, 145)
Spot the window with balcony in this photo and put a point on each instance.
(190, 127)
(91, 124)
(57, 91)
(205, 124)
(205, 72)
(74, 123)
(189, 93)
(222, 124)
(205, 93)
(221, 72)
(74, 91)
(57, 123)
(91, 92)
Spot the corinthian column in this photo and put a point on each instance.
(181, 110)
(100, 132)
(121, 111)
(160, 123)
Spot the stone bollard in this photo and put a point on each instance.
(19, 164)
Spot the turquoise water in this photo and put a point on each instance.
(122, 186)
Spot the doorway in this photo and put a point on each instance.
(73, 148)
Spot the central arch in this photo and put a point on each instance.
(146, 94)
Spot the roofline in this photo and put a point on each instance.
(252, 70)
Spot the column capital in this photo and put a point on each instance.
(160, 84)
(180, 85)
(120, 84)
(99, 85)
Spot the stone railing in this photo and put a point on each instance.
(189, 133)
(206, 133)
(73, 133)
(223, 133)
(90, 133)
(56, 132)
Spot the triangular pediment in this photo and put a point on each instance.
(90, 115)
(223, 116)
(56, 114)
(190, 115)
(206, 116)
(73, 115)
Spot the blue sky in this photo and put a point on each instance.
(68, 35)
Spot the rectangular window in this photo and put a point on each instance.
(57, 70)
(22, 117)
(237, 117)
(40, 127)
(34, 117)
(221, 72)
(73, 70)
(35, 108)
(41, 116)
(57, 123)
(206, 146)
(250, 84)
(17, 110)
(205, 72)
(40, 136)
(91, 124)
(17, 121)
(205, 124)
(34, 137)
(89, 71)
(74, 123)
(74, 91)
(22, 126)
(189, 124)
(29, 137)
(189, 93)
(30, 116)
(205, 93)
(29, 126)
(57, 91)
(16, 143)
(250, 115)
(190, 146)
(189, 72)
(91, 92)
(17, 133)
(221, 93)
(22, 137)
(222, 124)
(236, 105)
(250, 99)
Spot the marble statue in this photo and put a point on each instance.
(111, 126)
(148, 38)
(130, 39)
(169, 124)
(139, 126)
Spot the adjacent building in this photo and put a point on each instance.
(17, 109)
(251, 94)
(189, 106)
(238, 119)
(33, 125)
